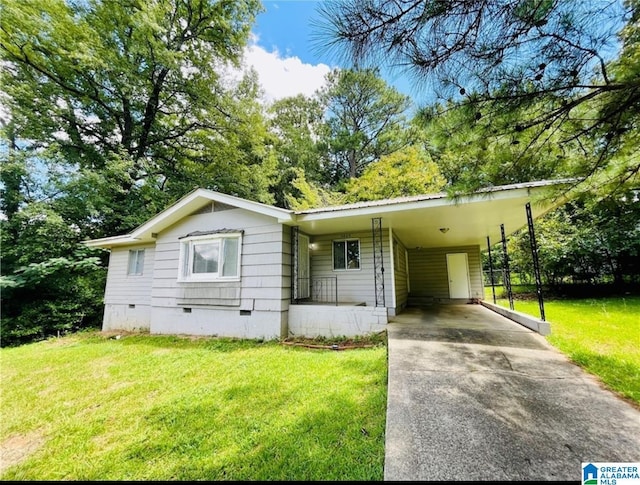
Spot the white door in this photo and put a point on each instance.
(303, 267)
(458, 272)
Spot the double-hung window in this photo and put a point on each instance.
(346, 254)
(210, 257)
(136, 262)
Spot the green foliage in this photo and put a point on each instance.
(556, 79)
(586, 241)
(295, 124)
(116, 109)
(52, 297)
(132, 96)
(302, 194)
(406, 172)
(473, 152)
(365, 120)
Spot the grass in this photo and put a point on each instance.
(143, 407)
(602, 335)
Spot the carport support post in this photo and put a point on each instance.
(493, 288)
(378, 265)
(536, 261)
(505, 266)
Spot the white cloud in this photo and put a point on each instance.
(282, 77)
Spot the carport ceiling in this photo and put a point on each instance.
(417, 221)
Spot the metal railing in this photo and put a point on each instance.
(322, 289)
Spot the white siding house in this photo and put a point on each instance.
(214, 264)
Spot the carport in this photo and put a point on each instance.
(423, 249)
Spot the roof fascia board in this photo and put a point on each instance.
(265, 209)
(416, 205)
(107, 242)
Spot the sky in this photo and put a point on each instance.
(284, 52)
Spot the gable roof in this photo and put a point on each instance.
(185, 206)
(416, 219)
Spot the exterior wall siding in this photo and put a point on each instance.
(354, 286)
(122, 288)
(428, 277)
(253, 307)
(127, 298)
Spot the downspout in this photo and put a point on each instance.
(294, 263)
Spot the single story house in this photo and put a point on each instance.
(215, 264)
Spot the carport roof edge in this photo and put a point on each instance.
(440, 195)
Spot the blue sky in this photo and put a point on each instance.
(286, 25)
(284, 54)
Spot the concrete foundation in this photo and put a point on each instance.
(335, 321)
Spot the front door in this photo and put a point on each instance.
(458, 272)
(303, 268)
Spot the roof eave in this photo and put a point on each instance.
(109, 242)
(439, 201)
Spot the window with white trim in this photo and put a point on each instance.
(210, 257)
(346, 254)
(136, 262)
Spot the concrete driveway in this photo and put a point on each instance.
(475, 396)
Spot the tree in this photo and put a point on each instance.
(133, 83)
(587, 241)
(296, 124)
(115, 109)
(50, 284)
(456, 141)
(365, 119)
(406, 172)
(304, 194)
(564, 70)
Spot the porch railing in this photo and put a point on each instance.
(322, 289)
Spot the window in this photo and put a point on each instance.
(346, 254)
(136, 262)
(210, 257)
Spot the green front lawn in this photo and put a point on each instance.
(89, 407)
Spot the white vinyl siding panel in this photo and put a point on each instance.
(261, 264)
(428, 275)
(124, 288)
(354, 286)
